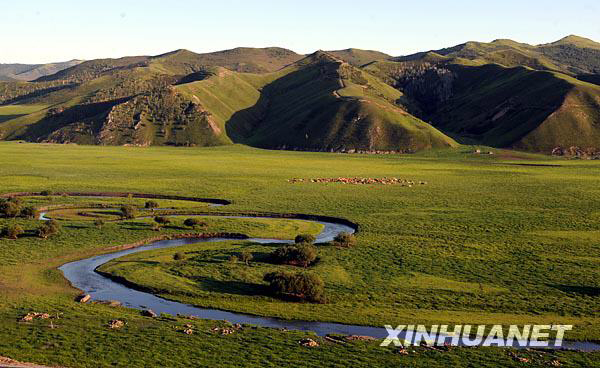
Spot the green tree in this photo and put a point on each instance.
(14, 231)
(305, 286)
(194, 222)
(10, 207)
(345, 240)
(29, 212)
(128, 211)
(298, 254)
(48, 229)
(151, 205)
(161, 220)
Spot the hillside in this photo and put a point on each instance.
(359, 57)
(29, 72)
(503, 94)
(572, 55)
(498, 106)
(317, 103)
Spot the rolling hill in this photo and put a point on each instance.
(318, 102)
(30, 72)
(490, 104)
(571, 55)
(503, 94)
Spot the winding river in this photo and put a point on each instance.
(82, 275)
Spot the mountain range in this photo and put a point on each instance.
(502, 94)
(30, 72)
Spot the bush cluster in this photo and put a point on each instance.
(345, 240)
(12, 231)
(296, 255)
(13, 207)
(48, 229)
(128, 211)
(194, 222)
(151, 205)
(305, 238)
(161, 220)
(305, 286)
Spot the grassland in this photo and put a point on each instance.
(14, 111)
(489, 239)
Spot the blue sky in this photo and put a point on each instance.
(44, 31)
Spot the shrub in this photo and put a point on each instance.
(49, 228)
(151, 205)
(304, 286)
(46, 193)
(29, 212)
(99, 223)
(178, 256)
(13, 231)
(16, 200)
(128, 211)
(305, 238)
(10, 207)
(161, 220)
(194, 222)
(246, 257)
(345, 240)
(297, 255)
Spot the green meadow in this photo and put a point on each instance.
(508, 238)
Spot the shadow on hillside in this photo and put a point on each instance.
(581, 290)
(39, 92)
(4, 118)
(291, 101)
(91, 115)
(491, 104)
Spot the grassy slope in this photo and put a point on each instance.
(359, 57)
(571, 55)
(32, 125)
(527, 234)
(11, 112)
(510, 107)
(242, 59)
(574, 123)
(517, 107)
(46, 69)
(491, 106)
(227, 93)
(312, 105)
